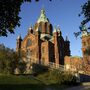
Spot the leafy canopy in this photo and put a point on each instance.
(9, 15)
(86, 13)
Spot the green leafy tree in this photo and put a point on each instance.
(8, 59)
(86, 12)
(62, 77)
(9, 15)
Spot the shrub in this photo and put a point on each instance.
(37, 68)
(22, 67)
(62, 77)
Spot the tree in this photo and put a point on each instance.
(8, 59)
(9, 15)
(86, 13)
(62, 77)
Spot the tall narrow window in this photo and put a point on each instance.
(84, 43)
(29, 42)
(43, 60)
(40, 27)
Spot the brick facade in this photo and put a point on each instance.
(86, 47)
(73, 63)
(45, 45)
(78, 63)
(42, 44)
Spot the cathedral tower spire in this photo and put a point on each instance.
(30, 30)
(43, 24)
(18, 48)
(42, 17)
(67, 46)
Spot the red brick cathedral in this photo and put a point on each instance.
(43, 44)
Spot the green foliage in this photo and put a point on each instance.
(54, 76)
(86, 12)
(12, 79)
(8, 60)
(9, 15)
(47, 78)
(22, 67)
(63, 77)
(57, 76)
(12, 82)
(37, 68)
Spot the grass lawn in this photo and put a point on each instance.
(12, 82)
(13, 79)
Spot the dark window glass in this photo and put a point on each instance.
(28, 42)
(40, 27)
(43, 60)
(84, 43)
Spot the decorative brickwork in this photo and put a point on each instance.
(78, 64)
(42, 44)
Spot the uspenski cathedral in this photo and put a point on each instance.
(43, 44)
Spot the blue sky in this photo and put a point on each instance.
(60, 12)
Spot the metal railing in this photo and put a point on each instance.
(53, 65)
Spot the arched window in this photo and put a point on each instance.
(43, 60)
(84, 43)
(40, 27)
(29, 42)
(46, 28)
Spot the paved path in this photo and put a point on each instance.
(85, 86)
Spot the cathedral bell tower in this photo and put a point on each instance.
(67, 47)
(43, 24)
(30, 30)
(38, 45)
(56, 46)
